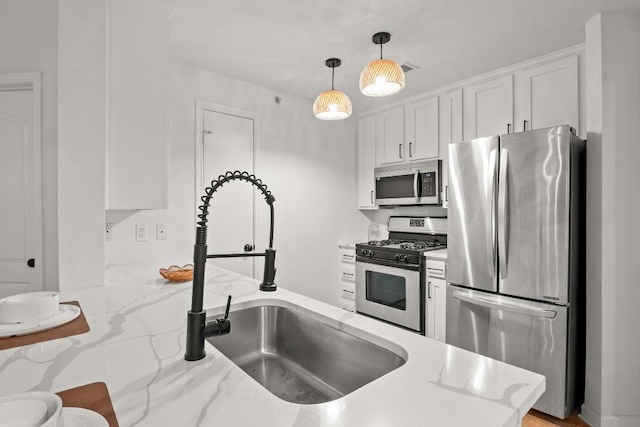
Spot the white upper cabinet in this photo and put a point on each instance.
(409, 132)
(366, 162)
(547, 95)
(489, 108)
(450, 131)
(138, 98)
(390, 146)
(422, 125)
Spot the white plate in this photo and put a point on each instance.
(66, 314)
(81, 417)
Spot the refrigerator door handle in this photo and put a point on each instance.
(491, 217)
(494, 302)
(503, 222)
(415, 185)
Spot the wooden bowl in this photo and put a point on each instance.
(178, 274)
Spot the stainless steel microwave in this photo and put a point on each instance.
(417, 183)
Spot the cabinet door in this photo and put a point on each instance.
(366, 162)
(548, 95)
(436, 309)
(390, 147)
(138, 84)
(422, 129)
(450, 132)
(489, 108)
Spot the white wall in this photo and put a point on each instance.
(308, 164)
(28, 42)
(612, 395)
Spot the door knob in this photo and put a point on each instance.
(248, 247)
(31, 263)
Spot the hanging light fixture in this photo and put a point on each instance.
(381, 77)
(332, 104)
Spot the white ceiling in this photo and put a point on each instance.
(283, 44)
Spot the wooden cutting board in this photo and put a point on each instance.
(77, 326)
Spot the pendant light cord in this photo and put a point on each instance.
(333, 70)
(380, 50)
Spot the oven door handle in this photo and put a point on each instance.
(387, 263)
(415, 185)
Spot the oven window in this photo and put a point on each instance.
(386, 289)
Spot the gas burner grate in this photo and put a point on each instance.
(386, 242)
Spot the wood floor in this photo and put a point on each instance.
(538, 419)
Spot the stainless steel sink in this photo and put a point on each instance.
(301, 359)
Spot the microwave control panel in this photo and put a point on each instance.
(428, 184)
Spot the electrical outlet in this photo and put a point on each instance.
(108, 231)
(141, 233)
(161, 232)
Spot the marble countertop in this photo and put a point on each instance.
(137, 343)
(437, 254)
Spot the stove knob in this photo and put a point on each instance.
(406, 258)
(398, 256)
(370, 253)
(363, 252)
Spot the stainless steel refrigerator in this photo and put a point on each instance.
(515, 256)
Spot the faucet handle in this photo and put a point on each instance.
(226, 312)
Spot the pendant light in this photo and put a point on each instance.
(381, 77)
(332, 104)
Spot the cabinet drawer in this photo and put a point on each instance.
(347, 289)
(347, 304)
(347, 255)
(348, 272)
(436, 268)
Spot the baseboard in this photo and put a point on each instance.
(594, 419)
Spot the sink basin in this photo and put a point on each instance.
(300, 359)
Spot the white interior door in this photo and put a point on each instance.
(228, 145)
(20, 224)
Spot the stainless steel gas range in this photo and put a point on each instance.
(391, 274)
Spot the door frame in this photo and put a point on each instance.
(32, 81)
(201, 106)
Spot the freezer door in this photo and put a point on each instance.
(526, 334)
(471, 241)
(533, 214)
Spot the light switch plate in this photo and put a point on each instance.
(161, 232)
(108, 231)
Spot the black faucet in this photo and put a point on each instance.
(197, 327)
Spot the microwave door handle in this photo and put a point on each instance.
(415, 185)
(493, 302)
(503, 220)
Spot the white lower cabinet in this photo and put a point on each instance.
(436, 299)
(347, 277)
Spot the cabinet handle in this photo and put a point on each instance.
(524, 126)
(508, 128)
(400, 150)
(344, 291)
(347, 274)
(349, 257)
(446, 193)
(429, 290)
(371, 196)
(410, 144)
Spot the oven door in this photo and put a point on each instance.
(389, 293)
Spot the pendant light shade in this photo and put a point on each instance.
(381, 77)
(332, 104)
